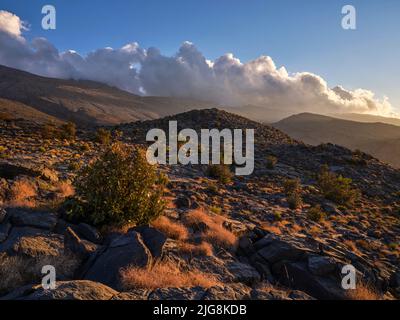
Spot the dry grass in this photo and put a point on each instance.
(65, 189)
(22, 194)
(202, 249)
(352, 246)
(173, 230)
(165, 275)
(363, 292)
(271, 228)
(214, 231)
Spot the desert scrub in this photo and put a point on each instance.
(293, 191)
(118, 188)
(271, 162)
(220, 172)
(103, 136)
(336, 188)
(315, 214)
(68, 131)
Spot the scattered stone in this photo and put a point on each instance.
(194, 293)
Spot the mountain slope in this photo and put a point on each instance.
(85, 102)
(378, 139)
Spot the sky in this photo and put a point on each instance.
(302, 36)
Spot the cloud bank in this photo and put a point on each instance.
(188, 74)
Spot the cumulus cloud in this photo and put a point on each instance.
(188, 74)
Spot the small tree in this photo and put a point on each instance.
(118, 188)
(336, 188)
(221, 172)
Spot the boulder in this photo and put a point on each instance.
(65, 290)
(321, 265)
(278, 250)
(3, 215)
(123, 251)
(89, 233)
(4, 231)
(244, 273)
(183, 202)
(43, 220)
(153, 239)
(79, 247)
(10, 171)
(296, 275)
(32, 242)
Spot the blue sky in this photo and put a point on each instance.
(301, 35)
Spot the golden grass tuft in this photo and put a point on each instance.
(65, 189)
(22, 193)
(173, 230)
(165, 275)
(363, 292)
(214, 232)
(202, 249)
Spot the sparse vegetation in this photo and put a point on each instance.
(315, 213)
(118, 188)
(363, 291)
(174, 230)
(293, 191)
(103, 136)
(271, 162)
(336, 188)
(220, 172)
(201, 249)
(165, 275)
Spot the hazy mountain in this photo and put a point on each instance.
(378, 139)
(367, 118)
(85, 102)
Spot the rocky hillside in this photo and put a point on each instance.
(278, 234)
(379, 139)
(84, 102)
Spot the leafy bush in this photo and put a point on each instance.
(220, 172)
(117, 189)
(103, 136)
(336, 188)
(271, 162)
(315, 213)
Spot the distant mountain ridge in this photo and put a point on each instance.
(378, 139)
(84, 102)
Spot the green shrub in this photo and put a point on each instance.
(277, 216)
(220, 172)
(271, 162)
(336, 188)
(103, 136)
(117, 189)
(315, 214)
(294, 200)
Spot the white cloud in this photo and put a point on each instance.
(188, 73)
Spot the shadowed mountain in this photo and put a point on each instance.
(84, 102)
(378, 139)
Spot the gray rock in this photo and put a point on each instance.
(320, 265)
(89, 233)
(194, 293)
(32, 242)
(66, 290)
(126, 250)
(244, 273)
(4, 231)
(226, 293)
(280, 250)
(77, 246)
(3, 215)
(138, 294)
(43, 220)
(153, 239)
(183, 202)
